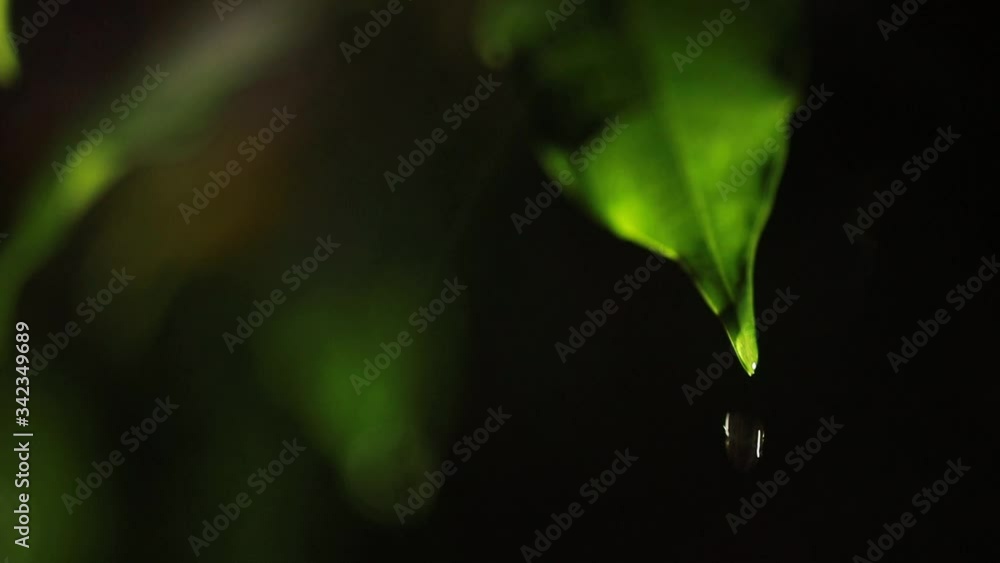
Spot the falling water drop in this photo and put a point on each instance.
(744, 439)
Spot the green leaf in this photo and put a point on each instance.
(687, 118)
(8, 54)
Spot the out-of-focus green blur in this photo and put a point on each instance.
(224, 79)
(8, 55)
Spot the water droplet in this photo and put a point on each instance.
(744, 439)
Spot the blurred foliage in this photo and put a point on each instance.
(8, 54)
(127, 188)
(693, 113)
(378, 438)
(201, 74)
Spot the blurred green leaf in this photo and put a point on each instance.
(203, 73)
(8, 56)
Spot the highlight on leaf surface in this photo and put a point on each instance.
(694, 172)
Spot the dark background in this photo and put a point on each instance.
(825, 357)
